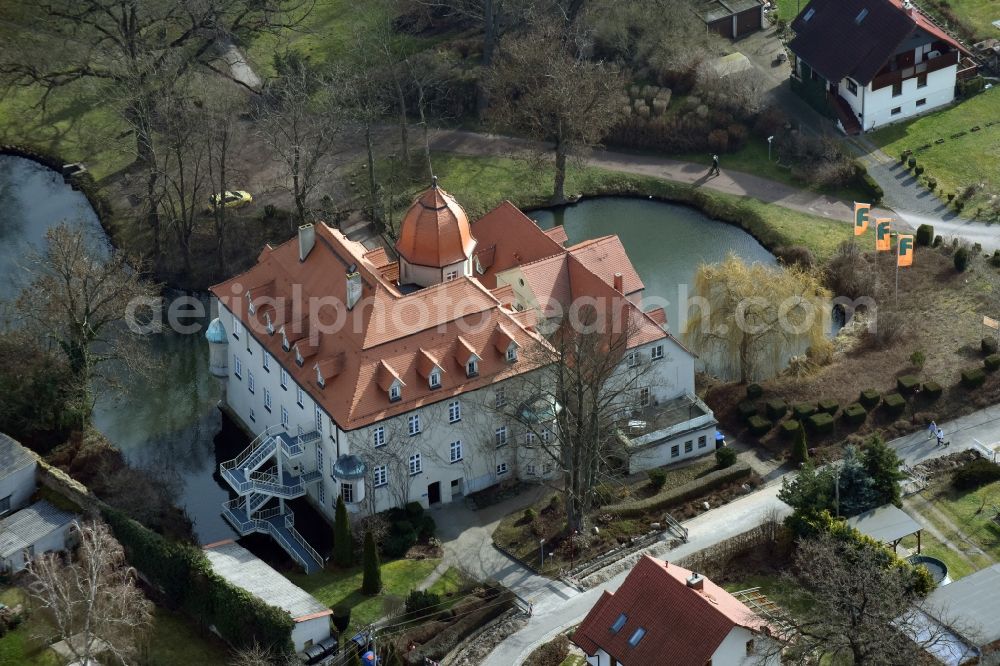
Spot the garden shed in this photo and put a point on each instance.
(245, 570)
(733, 18)
(32, 531)
(888, 524)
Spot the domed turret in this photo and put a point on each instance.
(435, 242)
(218, 348)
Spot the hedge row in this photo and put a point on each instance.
(682, 493)
(186, 577)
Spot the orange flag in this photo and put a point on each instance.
(883, 239)
(861, 217)
(905, 251)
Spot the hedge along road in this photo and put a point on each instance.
(554, 611)
(729, 181)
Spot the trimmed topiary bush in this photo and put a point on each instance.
(775, 409)
(803, 410)
(657, 479)
(800, 450)
(746, 410)
(961, 259)
(789, 427)
(991, 362)
(907, 384)
(855, 414)
(988, 345)
(821, 424)
(893, 403)
(925, 235)
(754, 391)
(973, 378)
(759, 425)
(371, 583)
(725, 457)
(828, 406)
(869, 399)
(931, 391)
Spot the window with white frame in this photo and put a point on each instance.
(413, 423)
(250, 382)
(632, 359)
(267, 399)
(299, 400)
(237, 327)
(284, 416)
(322, 494)
(502, 468)
(319, 457)
(500, 436)
(416, 465)
(511, 353)
(455, 451)
(378, 436)
(380, 476)
(435, 379)
(265, 359)
(394, 393)
(454, 411)
(347, 491)
(529, 438)
(237, 367)
(530, 469)
(656, 353)
(472, 367)
(318, 419)
(253, 417)
(546, 435)
(284, 379)
(450, 275)
(500, 395)
(644, 396)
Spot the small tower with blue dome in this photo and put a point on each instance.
(218, 348)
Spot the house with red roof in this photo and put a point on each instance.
(873, 62)
(386, 380)
(666, 614)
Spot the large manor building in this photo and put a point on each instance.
(389, 380)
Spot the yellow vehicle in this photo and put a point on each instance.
(229, 199)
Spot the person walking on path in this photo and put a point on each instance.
(714, 171)
(932, 430)
(940, 437)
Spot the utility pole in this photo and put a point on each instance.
(541, 546)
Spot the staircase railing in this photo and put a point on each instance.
(246, 453)
(290, 526)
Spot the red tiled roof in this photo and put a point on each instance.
(558, 234)
(605, 257)
(511, 248)
(684, 626)
(435, 231)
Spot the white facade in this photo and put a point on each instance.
(306, 633)
(16, 489)
(51, 542)
(740, 647)
(426, 276)
(875, 108)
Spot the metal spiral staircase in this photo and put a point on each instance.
(258, 475)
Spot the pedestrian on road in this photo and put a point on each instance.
(931, 430)
(714, 171)
(940, 437)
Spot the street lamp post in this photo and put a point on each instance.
(541, 547)
(836, 490)
(769, 140)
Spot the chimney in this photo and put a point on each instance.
(619, 283)
(307, 239)
(353, 286)
(696, 581)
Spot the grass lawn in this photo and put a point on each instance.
(480, 183)
(959, 566)
(789, 596)
(975, 15)
(959, 162)
(574, 660)
(972, 513)
(334, 586)
(789, 9)
(451, 581)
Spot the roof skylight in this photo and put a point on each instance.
(861, 16)
(636, 636)
(619, 623)
(809, 14)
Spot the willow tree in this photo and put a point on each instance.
(747, 316)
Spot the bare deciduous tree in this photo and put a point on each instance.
(749, 316)
(78, 301)
(92, 602)
(554, 93)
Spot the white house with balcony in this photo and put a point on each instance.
(385, 381)
(874, 62)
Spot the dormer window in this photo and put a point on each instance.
(250, 307)
(298, 357)
(319, 378)
(269, 323)
(512, 353)
(435, 379)
(284, 340)
(472, 367)
(395, 393)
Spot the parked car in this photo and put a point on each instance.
(230, 199)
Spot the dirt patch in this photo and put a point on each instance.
(937, 466)
(942, 313)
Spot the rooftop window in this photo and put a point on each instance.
(636, 636)
(619, 623)
(861, 16)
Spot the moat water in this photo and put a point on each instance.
(170, 424)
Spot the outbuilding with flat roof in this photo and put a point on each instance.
(888, 524)
(40, 528)
(732, 18)
(17, 475)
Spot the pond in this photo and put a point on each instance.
(666, 242)
(167, 423)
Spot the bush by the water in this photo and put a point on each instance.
(974, 474)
